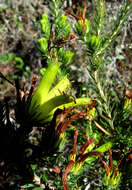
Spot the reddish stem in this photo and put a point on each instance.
(106, 166)
(75, 142)
(82, 150)
(73, 117)
(64, 176)
(110, 159)
(85, 156)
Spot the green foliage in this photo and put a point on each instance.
(65, 56)
(45, 101)
(111, 114)
(125, 11)
(97, 41)
(6, 58)
(106, 123)
(111, 181)
(55, 34)
(62, 27)
(99, 17)
(82, 27)
(43, 45)
(18, 63)
(45, 26)
(20, 66)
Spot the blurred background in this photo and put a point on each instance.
(20, 31)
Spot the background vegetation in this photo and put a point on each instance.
(83, 138)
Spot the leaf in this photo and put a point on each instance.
(26, 186)
(40, 95)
